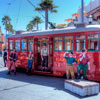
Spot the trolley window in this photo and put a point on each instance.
(11, 45)
(17, 45)
(79, 42)
(93, 42)
(24, 45)
(68, 43)
(30, 44)
(58, 43)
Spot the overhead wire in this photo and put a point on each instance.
(9, 4)
(35, 7)
(18, 13)
(51, 24)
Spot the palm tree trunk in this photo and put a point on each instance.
(37, 26)
(46, 20)
(5, 39)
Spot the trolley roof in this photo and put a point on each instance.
(59, 31)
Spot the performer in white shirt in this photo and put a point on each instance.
(44, 56)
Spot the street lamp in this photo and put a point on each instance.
(82, 11)
(75, 22)
(90, 19)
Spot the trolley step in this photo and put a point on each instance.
(42, 72)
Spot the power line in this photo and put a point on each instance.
(9, 4)
(51, 24)
(18, 13)
(35, 7)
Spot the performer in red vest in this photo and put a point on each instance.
(83, 62)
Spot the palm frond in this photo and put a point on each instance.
(38, 9)
(55, 6)
(55, 11)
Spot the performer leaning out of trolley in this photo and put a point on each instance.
(83, 61)
(12, 61)
(30, 62)
(44, 56)
(70, 62)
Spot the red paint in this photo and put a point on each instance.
(59, 63)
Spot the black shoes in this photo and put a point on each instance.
(8, 73)
(78, 77)
(14, 73)
(5, 65)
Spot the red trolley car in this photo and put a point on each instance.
(58, 41)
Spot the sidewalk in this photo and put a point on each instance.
(2, 68)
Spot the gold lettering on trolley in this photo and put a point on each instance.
(60, 59)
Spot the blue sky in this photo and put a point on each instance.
(21, 12)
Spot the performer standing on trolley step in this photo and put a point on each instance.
(44, 56)
(30, 62)
(5, 57)
(12, 60)
(70, 62)
(83, 61)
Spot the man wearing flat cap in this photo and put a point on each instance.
(44, 56)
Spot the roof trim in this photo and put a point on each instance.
(59, 31)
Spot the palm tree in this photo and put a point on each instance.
(10, 28)
(36, 21)
(46, 5)
(29, 27)
(6, 20)
(12, 31)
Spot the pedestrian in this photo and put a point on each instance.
(12, 61)
(83, 61)
(70, 60)
(5, 54)
(30, 62)
(44, 57)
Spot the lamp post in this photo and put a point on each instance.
(75, 21)
(82, 11)
(90, 19)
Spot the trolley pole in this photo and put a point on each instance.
(82, 11)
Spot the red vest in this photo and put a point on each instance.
(84, 60)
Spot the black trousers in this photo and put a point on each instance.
(5, 60)
(45, 61)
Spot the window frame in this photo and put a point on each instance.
(79, 39)
(93, 39)
(71, 40)
(32, 43)
(17, 42)
(26, 45)
(9, 45)
(58, 40)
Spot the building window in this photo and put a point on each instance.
(93, 42)
(11, 45)
(68, 41)
(17, 45)
(30, 44)
(23, 45)
(58, 43)
(79, 42)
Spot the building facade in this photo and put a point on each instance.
(92, 9)
(2, 39)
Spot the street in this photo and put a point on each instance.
(34, 87)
